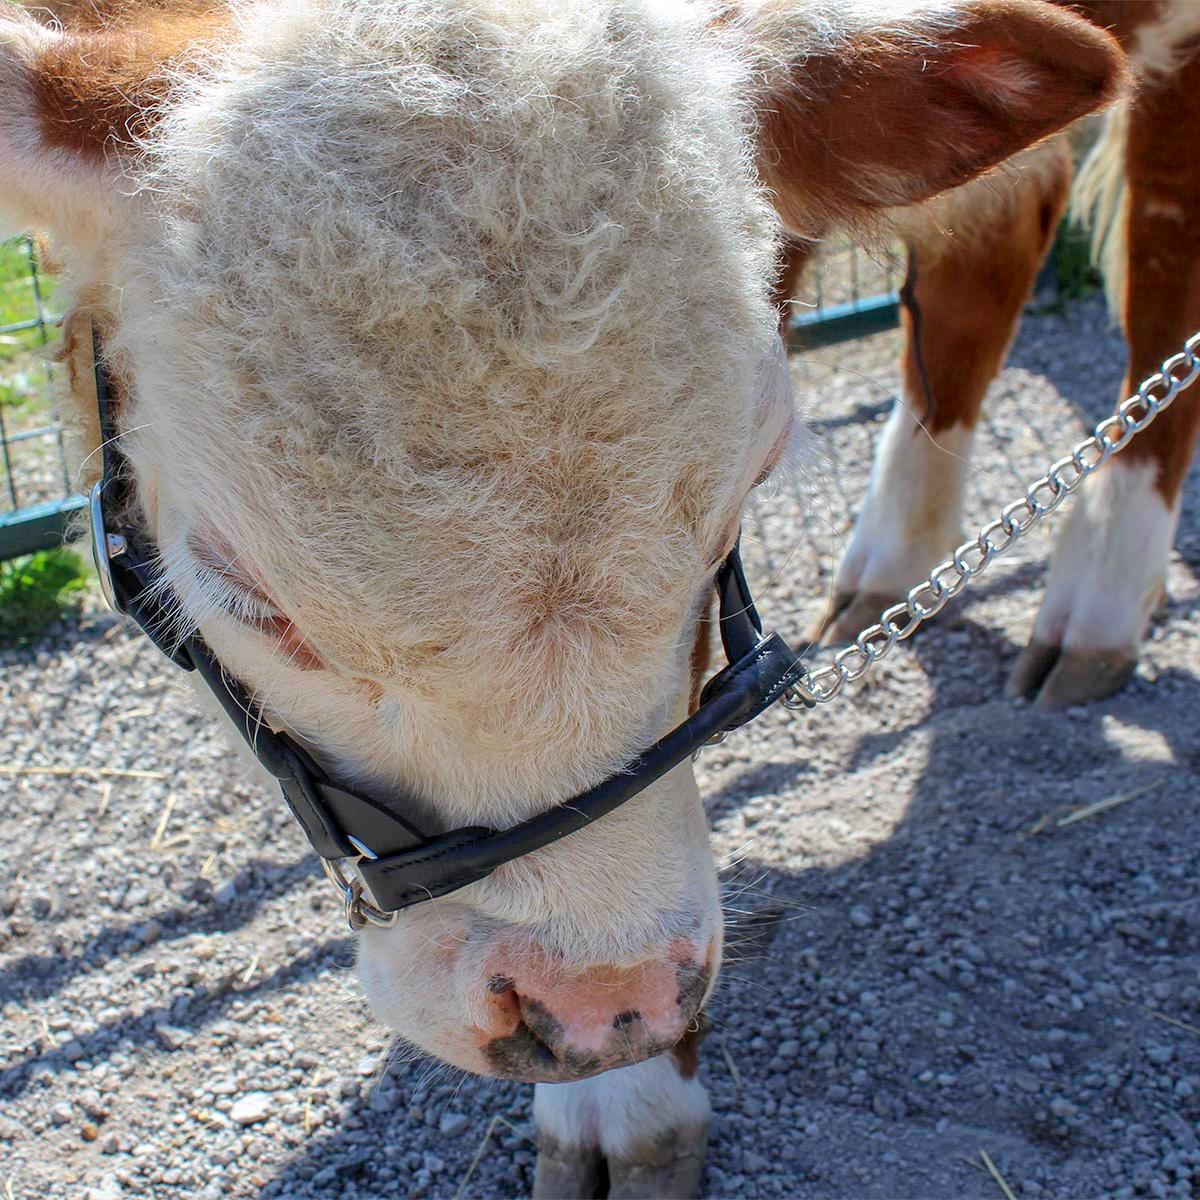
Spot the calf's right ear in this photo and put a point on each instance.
(43, 185)
(865, 108)
(73, 104)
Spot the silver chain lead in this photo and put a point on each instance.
(972, 558)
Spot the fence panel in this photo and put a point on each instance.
(846, 294)
(36, 489)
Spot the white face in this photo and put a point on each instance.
(442, 470)
(456, 682)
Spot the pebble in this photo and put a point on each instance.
(172, 1036)
(252, 1108)
(453, 1123)
(860, 918)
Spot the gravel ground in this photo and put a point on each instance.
(180, 1018)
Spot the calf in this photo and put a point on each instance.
(971, 270)
(389, 293)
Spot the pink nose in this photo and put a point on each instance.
(549, 1025)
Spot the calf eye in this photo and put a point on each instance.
(234, 591)
(289, 641)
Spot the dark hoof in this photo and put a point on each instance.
(669, 1168)
(1082, 676)
(1029, 672)
(1055, 679)
(568, 1172)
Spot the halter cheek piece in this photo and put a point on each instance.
(398, 864)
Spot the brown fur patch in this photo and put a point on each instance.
(794, 260)
(79, 413)
(686, 1052)
(885, 123)
(952, 349)
(100, 87)
(1162, 294)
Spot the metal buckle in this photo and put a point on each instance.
(105, 546)
(360, 912)
(801, 694)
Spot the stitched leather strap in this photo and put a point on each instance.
(447, 863)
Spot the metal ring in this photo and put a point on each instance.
(359, 910)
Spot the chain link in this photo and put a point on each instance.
(973, 557)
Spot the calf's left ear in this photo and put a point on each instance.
(865, 109)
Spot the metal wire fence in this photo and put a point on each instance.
(36, 491)
(847, 294)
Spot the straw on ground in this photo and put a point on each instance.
(1060, 819)
(993, 1171)
(102, 772)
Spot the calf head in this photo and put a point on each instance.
(446, 360)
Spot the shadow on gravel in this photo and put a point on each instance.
(963, 984)
(33, 977)
(968, 982)
(1094, 398)
(190, 1011)
(385, 1159)
(1084, 744)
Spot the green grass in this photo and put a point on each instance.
(38, 590)
(20, 389)
(18, 301)
(1077, 276)
(25, 398)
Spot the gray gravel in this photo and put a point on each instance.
(179, 1016)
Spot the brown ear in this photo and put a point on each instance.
(863, 115)
(98, 84)
(73, 100)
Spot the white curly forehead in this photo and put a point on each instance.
(461, 323)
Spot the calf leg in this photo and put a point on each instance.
(636, 1132)
(793, 262)
(961, 303)
(1110, 561)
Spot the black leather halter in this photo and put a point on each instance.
(399, 863)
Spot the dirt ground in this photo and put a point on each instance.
(956, 973)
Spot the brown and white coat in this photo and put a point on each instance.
(974, 255)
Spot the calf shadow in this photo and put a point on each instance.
(889, 1031)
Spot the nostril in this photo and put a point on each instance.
(622, 1019)
(692, 980)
